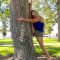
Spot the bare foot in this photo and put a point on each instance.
(48, 58)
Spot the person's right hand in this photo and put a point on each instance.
(20, 19)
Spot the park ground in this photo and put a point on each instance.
(52, 44)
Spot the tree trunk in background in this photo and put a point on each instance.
(58, 20)
(21, 33)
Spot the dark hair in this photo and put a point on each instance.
(31, 13)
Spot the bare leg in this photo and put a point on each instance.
(40, 41)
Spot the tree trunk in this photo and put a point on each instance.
(21, 33)
(58, 20)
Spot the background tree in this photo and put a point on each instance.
(47, 9)
(21, 33)
(4, 15)
(58, 19)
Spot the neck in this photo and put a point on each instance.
(33, 16)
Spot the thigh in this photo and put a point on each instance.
(39, 39)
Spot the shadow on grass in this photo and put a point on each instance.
(53, 51)
(6, 41)
(3, 42)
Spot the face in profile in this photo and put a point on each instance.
(34, 13)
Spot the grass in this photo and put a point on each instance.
(6, 41)
(51, 44)
(6, 50)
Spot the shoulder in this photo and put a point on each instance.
(40, 18)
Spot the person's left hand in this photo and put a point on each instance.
(30, 1)
(20, 19)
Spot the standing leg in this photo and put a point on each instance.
(40, 41)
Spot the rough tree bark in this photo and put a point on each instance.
(58, 20)
(21, 33)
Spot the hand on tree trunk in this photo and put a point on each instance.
(20, 19)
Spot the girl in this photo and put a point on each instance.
(38, 25)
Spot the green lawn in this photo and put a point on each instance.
(6, 41)
(51, 44)
(6, 50)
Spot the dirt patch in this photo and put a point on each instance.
(39, 58)
(6, 57)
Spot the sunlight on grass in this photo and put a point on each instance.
(57, 54)
(52, 45)
(46, 40)
(4, 51)
(50, 40)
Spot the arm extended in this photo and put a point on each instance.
(34, 20)
(31, 20)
